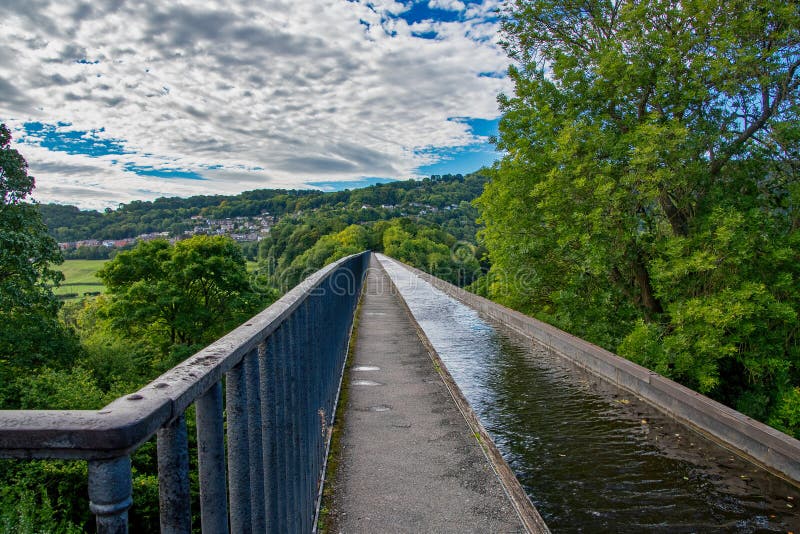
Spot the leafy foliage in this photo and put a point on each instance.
(68, 223)
(649, 198)
(30, 333)
(177, 298)
(300, 245)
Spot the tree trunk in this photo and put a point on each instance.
(678, 221)
(651, 304)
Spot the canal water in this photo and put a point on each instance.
(592, 457)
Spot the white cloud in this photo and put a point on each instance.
(487, 8)
(450, 5)
(273, 94)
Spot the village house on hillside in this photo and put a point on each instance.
(241, 229)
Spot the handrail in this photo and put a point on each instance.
(281, 371)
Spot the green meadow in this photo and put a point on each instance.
(79, 277)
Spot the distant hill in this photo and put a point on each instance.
(441, 199)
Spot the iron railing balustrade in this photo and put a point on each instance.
(280, 371)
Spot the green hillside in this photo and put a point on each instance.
(382, 201)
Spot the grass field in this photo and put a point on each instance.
(79, 277)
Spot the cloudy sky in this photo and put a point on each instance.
(116, 100)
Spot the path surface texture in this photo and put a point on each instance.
(409, 461)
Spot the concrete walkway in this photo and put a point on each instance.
(409, 460)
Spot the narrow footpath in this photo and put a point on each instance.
(409, 461)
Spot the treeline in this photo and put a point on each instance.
(68, 223)
(93, 252)
(299, 245)
(650, 197)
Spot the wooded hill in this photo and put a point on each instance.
(410, 197)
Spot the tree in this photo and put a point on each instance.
(181, 296)
(30, 333)
(649, 199)
(432, 250)
(327, 249)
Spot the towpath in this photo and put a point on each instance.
(409, 461)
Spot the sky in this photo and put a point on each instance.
(119, 100)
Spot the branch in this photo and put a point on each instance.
(643, 102)
(786, 87)
(612, 112)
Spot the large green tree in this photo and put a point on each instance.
(178, 297)
(30, 333)
(649, 199)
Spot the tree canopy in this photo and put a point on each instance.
(649, 200)
(68, 223)
(185, 294)
(30, 332)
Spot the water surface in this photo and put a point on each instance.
(592, 457)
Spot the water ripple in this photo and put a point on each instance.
(592, 457)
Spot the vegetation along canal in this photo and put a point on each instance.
(593, 457)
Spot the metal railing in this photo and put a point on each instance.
(282, 372)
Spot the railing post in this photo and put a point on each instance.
(211, 461)
(305, 463)
(173, 478)
(238, 443)
(110, 490)
(267, 367)
(327, 334)
(253, 381)
(292, 389)
(281, 428)
(317, 408)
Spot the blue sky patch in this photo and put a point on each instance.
(420, 12)
(147, 170)
(461, 160)
(479, 127)
(455, 160)
(430, 35)
(330, 186)
(55, 138)
(483, 127)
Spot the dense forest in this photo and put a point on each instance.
(301, 244)
(68, 223)
(650, 197)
